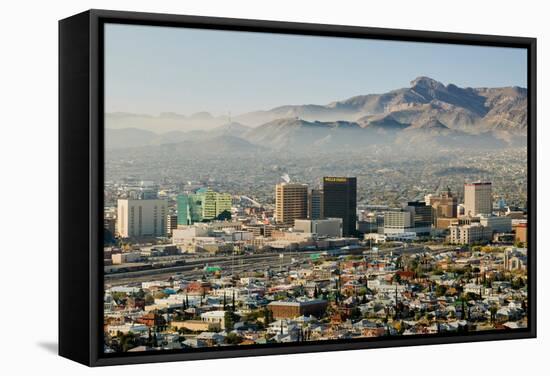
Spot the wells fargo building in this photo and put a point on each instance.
(340, 201)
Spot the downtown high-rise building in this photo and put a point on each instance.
(444, 204)
(203, 205)
(215, 204)
(290, 202)
(340, 201)
(397, 222)
(478, 198)
(189, 208)
(315, 207)
(141, 218)
(421, 216)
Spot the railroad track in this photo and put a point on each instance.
(195, 270)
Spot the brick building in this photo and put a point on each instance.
(287, 310)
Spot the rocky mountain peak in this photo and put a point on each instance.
(427, 83)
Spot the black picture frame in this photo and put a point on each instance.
(81, 182)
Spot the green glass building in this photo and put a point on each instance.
(190, 208)
(203, 205)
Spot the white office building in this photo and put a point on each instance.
(500, 224)
(397, 222)
(331, 227)
(141, 218)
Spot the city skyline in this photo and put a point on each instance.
(399, 213)
(160, 294)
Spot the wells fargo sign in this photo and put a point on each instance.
(335, 179)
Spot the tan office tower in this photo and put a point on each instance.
(478, 198)
(290, 202)
(444, 205)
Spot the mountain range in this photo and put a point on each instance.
(427, 111)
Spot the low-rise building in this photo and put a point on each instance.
(292, 309)
(214, 318)
(497, 223)
(521, 232)
(397, 237)
(196, 325)
(127, 328)
(331, 227)
(469, 234)
(123, 258)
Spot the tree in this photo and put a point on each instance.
(183, 306)
(224, 216)
(397, 278)
(233, 302)
(493, 310)
(118, 296)
(233, 339)
(440, 290)
(355, 314)
(126, 341)
(518, 244)
(160, 295)
(268, 316)
(140, 294)
(229, 320)
(518, 283)
(149, 299)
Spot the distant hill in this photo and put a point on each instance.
(115, 138)
(301, 134)
(134, 137)
(231, 129)
(427, 112)
(165, 122)
(202, 147)
(216, 144)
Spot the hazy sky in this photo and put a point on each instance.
(151, 69)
